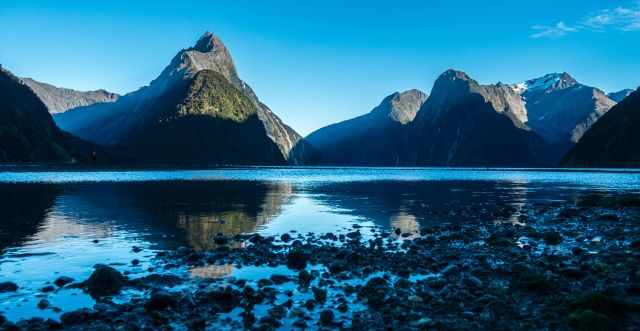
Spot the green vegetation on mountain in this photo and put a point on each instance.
(211, 94)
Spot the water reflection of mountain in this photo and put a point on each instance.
(193, 211)
(23, 207)
(406, 204)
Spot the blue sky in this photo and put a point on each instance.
(318, 62)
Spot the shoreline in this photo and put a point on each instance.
(577, 270)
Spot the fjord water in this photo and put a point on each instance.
(62, 222)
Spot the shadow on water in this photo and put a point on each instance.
(24, 207)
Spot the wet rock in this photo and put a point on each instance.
(338, 266)
(326, 317)
(43, 304)
(319, 294)
(285, 237)
(226, 299)
(588, 320)
(221, 240)
(310, 304)
(160, 300)
(500, 240)
(367, 320)
(609, 306)
(63, 280)
(305, 278)
(248, 319)
(47, 289)
(279, 279)
(8, 287)
(252, 296)
(375, 292)
(533, 281)
(552, 238)
(297, 259)
(265, 282)
(278, 312)
(104, 281)
(300, 324)
(572, 272)
(76, 316)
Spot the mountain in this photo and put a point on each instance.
(560, 109)
(463, 123)
(59, 100)
(613, 140)
(197, 110)
(620, 95)
(27, 131)
(371, 139)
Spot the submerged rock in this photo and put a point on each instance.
(104, 281)
(326, 317)
(43, 304)
(63, 280)
(297, 259)
(160, 300)
(8, 287)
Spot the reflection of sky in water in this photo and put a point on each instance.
(64, 229)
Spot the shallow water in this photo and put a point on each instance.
(63, 222)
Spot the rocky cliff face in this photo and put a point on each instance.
(613, 140)
(466, 124)
(117, 123)
(375, 138)
(59, 100)
(619, 95)
(27, 131)
(560, 109)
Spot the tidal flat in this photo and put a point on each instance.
(286, 248)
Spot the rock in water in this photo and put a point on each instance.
(63, 280)
(104, 281)
(160, 300)
(8, 287)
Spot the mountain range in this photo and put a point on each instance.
(196, 111)
(613, 141)
(199, 112)
(59, 99)
(27, 131)
(465, 123)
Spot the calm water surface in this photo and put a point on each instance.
(58, 223)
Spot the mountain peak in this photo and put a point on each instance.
(553, 81)
(402, 107)
(453, 74)
(208, 42)
(619, 95)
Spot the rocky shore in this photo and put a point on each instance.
(554, 267)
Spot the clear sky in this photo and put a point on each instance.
(318, 62)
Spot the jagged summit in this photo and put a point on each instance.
(208, 43)
(453, 74)
(553, 81)
(401, 107)
(619, 95)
